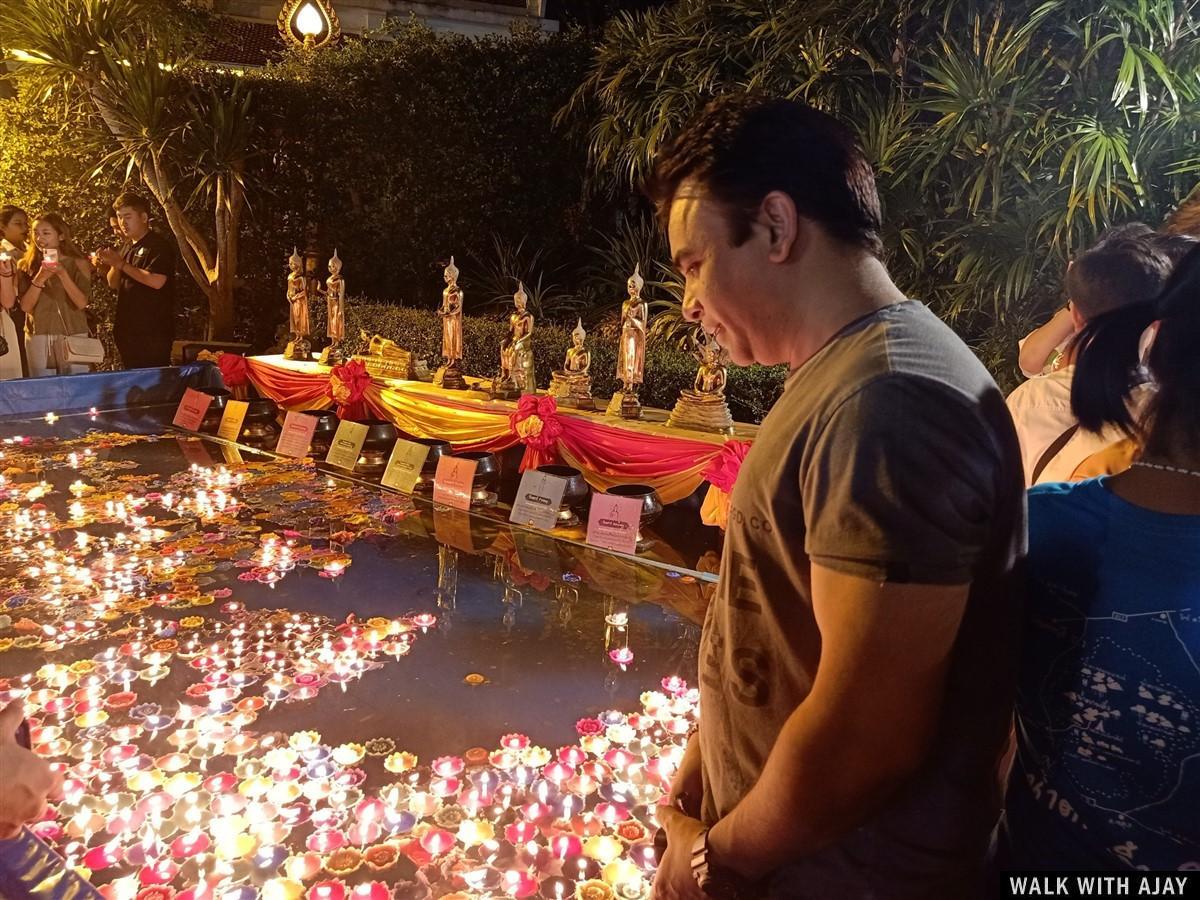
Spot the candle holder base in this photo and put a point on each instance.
(624, 405)
(701, 412)
(331, 356)
(298, 349)
(450, 377)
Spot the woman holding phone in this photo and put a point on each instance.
(58, 279)
(10, 339)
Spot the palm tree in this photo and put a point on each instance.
(1004, 137)
(124, 74)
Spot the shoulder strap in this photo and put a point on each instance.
(1052, 451)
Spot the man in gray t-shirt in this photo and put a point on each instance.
(857, 662)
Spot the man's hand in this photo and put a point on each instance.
(28, 779)
(687, 787)
(107, 256)
(674, 879)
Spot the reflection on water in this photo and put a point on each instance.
(182, 614)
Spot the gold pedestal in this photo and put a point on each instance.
(451, 378)
(701, 412)
(331, 356)
(625, 405)
(299, 348)
(572, 391)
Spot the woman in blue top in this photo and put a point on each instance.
(1107, 772)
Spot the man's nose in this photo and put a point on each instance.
(693, 310)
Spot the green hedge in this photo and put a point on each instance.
(751, 390)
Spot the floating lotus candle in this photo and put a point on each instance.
(328, 890)
(516, 883)
(370, 890)
(304, 867)
(447, 766)
(280, 889)
(436, 842)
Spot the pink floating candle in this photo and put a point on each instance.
(520, 832)
(516, 883)
(558, 772)
(328, 890)
(370, 890)
(572, 755)
(161, 872)
(363, 833)
(535, 812)
(102, 857)
(436, 842)
(611, 813)
(444, 787)
(424, 620)
(565, 845)
(325, 841)
(514, 741)
(622, 656)
(447, 766)
(619, 758)
(188, 845)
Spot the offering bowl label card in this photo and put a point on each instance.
(404, 466)
(538, 500)
(230, 428)
(613, 522)
(296, 436)
(347, 444)
(192, 408)
(452, 483)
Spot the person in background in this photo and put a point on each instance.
(10, 339)
(1118, 271)
(1041, 351)
(14, 233)
(29, 781)
(54, 294)
(1108, 711)
(142, 273)
(858, 662)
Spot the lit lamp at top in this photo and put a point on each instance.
(309, 23)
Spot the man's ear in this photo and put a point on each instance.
(777, 213)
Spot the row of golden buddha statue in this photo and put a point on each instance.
(703, 407)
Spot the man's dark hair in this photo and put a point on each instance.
(133, 200)
(7, 211)
(742, 146)
(1116, 272)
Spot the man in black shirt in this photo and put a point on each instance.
(143, 275)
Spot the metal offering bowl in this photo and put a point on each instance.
(652, 506)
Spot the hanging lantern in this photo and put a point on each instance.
(309, 23)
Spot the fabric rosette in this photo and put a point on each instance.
(721, 475)
(536, 423)
(235, 372)
(347, 386)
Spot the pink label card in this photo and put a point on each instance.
(452, 483)
(296, 436)
(613, 522)
(191, 409)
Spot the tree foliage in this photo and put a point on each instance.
(122, 74)
(1004, 136)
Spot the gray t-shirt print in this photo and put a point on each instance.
(890, 455)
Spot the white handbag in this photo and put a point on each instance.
(76, 349)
